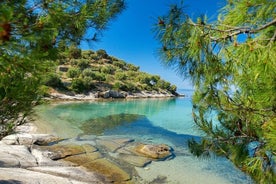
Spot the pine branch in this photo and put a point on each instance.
(235, 31)
(242, 30)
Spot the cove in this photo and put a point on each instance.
(156, 121)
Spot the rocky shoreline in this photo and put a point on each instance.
(111, 94)
(29, 157)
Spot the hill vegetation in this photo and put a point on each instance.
(91, 71)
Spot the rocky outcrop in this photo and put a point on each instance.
(42, 158)
(111, 94)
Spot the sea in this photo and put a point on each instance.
(152, 120)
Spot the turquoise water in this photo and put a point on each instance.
(166, 121)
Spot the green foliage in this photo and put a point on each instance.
(99, 77)
(52, 80)
(83, 64)
(120, 64)
(32, 35)
(132, 67)
(232, 65)
(120, 76)
(102, 54)
(73, 72)
(88, 72)
(107, 70)
(74, 52)
(78, 85)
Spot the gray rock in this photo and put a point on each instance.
(29, 139)
(12, 155)
(23, 176)
(75, 173)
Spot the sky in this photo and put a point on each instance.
(130, 37)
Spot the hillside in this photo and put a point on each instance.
(86, 72)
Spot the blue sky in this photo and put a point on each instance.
(130, 37)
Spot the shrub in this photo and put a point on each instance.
(102, 53)
(73, 72)
(87, 54)
(88, 83)
(99, 76)
(120, 64)
(52, 80)
(120, 76)
(132, 67)
(77, 85)
(107, 69)
(83, 63)
(88, 72)
(74, 52)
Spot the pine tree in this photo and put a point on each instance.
(30, 33)
(232, 64)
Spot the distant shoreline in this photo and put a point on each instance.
(110, 94)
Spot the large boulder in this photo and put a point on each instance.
(112, 94)
(16, 156)
(159, 152)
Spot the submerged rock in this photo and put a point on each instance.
(135, 160)
(60, 151)
(98, 126)
(112, 144)
(109, 169)
(159, 152)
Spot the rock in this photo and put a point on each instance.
(29, 139)
(161, 151)
(75, 173)
(26, 128)
(138, 161)
(60, 151)
(110, 170)
(111, 94)
(44, 139)
(16, 156)
(83, 158)
(43, 159)
(113, 145)
(23, 176)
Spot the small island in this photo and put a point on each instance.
(86, 75)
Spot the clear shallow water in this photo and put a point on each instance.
(166, 121)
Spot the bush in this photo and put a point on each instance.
(132, 67)
(88, 83)
(52, 80)
(83, 64)
(99, 76)
(78, 85)
(102, 53)
(120, 64)
(173, 88)
(74, 52)
(87, 54)
(73, 72)
(120, 76)
(107, 69)
(88, 72)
